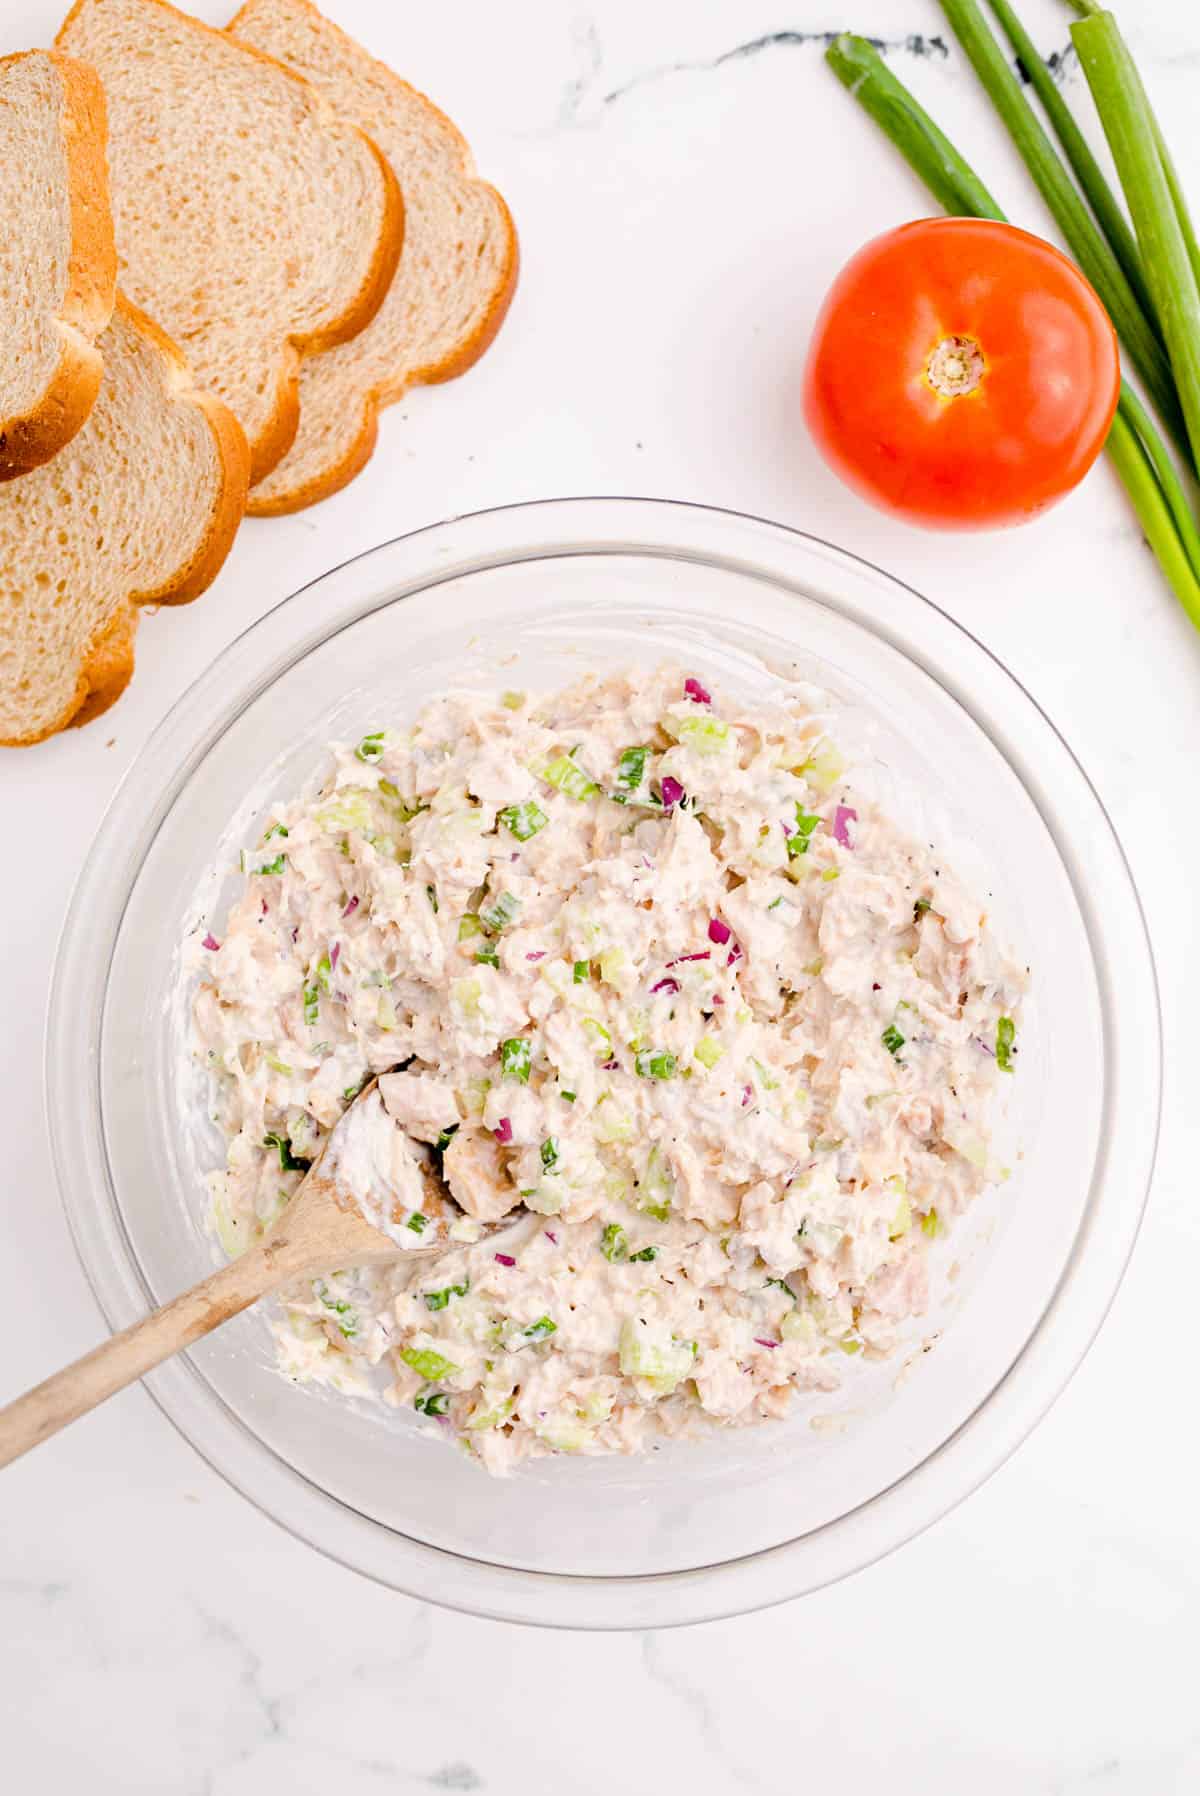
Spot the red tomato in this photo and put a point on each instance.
(962, 374)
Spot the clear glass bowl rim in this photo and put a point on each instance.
(917, 628)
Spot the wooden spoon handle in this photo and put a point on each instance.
(107, 1369)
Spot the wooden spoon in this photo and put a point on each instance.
(323, 1227)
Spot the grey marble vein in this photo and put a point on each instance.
(659, 1667)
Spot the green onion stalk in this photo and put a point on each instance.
(1135, 446)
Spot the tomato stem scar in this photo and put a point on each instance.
(955, 367)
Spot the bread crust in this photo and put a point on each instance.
(107, 663)
(386, 392)
(31, 439)
(276, 437)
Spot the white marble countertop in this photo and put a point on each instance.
(687, 177)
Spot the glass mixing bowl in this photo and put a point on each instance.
(528, 597)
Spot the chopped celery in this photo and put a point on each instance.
(655, 1063)
(323, 974)
(849, 1344)
(614, 1243)
(523, 820)
(232, 1232)
(500, 913)
(1006, 1036)
(494, 1417)
(467, 995)
(609, 1123)
(902, 1221)
(350, 809)
(824, 767)
(646, 1352)
(656, 1187)
(704, 735)
(371, 747)
(279, 1066)
(512, 701)
(708, 1051)
(487, 957)
(610, 964)
(427, 1363)
(385, 1012)
(570, 778)
(931, 1225)
(516, 1059)
(581, 971)
(469, 926)
(832, 873)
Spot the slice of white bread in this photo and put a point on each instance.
(251, 221)
(456, 275)
(58, 267)
(141, 505)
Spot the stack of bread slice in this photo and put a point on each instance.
(298, 237)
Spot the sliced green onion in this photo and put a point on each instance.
(806, 822)
(428, 1364)
(431, 1403)
(540, 1330)
(500, 913)
(371, 747)
(549, 1153)
(644, 1253)
(287, 1160)
(487, 957)
(1006, 1036)
(631, 768)
(614, 1243)
(523, 820)
(516, 1059)
(892, 1039)
(312, 1004)
(437, 1300)
(417, 1223)
(582, 971)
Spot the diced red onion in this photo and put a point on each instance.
(747, 1095)
(680, 958)
(540, 954)
(333, 955)
(672, 791)
(264, 907)
(718, 931)
(841, 817)
(506, 1259)
(696, 692)
(717, 998)
(759, 1342)
(551, 1237)
(351, 908)
(503, 1132)
(735, 954)
(610, 1066)
(210, 942)
(665, 985)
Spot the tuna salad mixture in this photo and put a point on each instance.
(641, 969)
